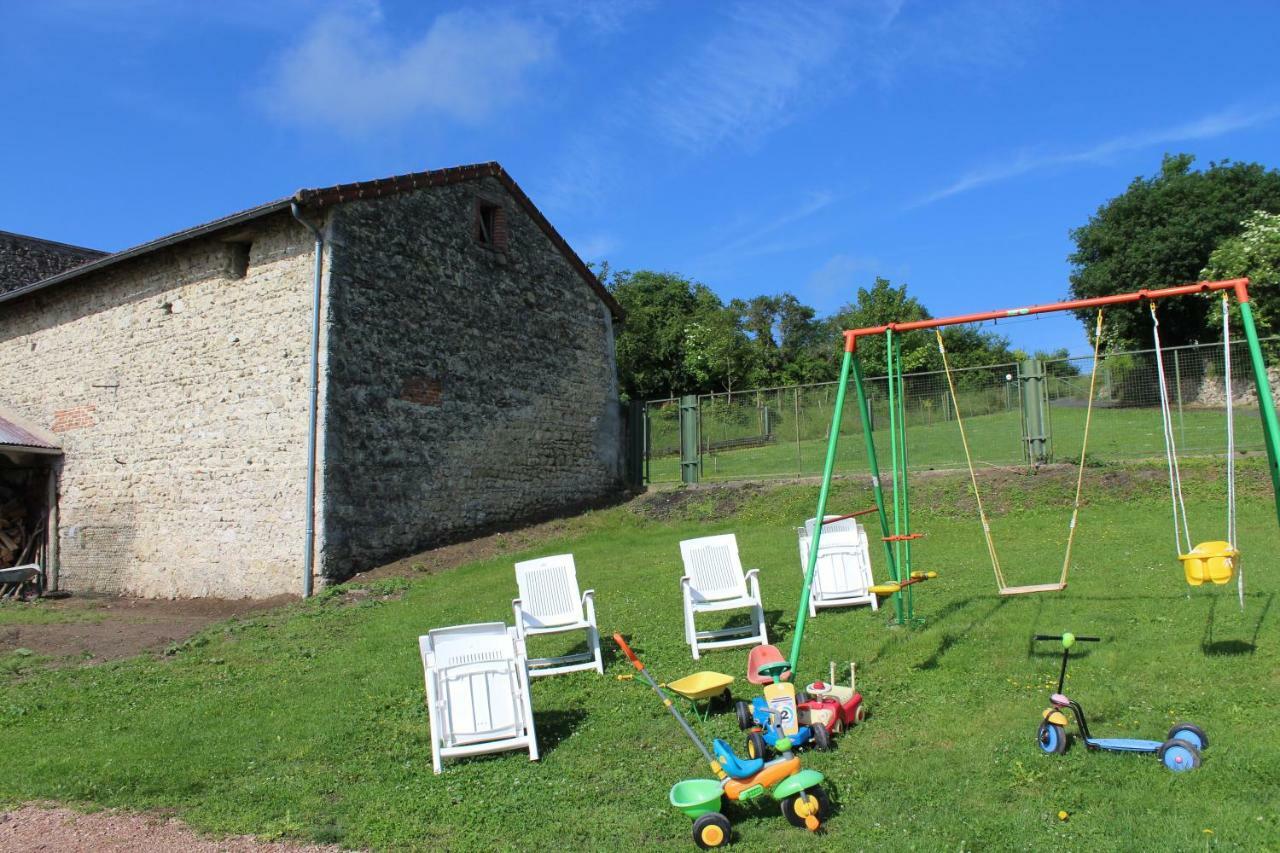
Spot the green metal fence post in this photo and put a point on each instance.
(1266, 403)
(690, 452)
(828, 468)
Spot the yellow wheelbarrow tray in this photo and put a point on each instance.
(703, 685)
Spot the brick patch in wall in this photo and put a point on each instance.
(65, 420)
(423, 391)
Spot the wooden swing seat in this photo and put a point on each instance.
(1030, 588)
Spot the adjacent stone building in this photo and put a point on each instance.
(465, 379)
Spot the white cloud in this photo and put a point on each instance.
(595, 247)
(349, 72)
(773, 236)
(1022, 163)
(749, 76)
(833, 282)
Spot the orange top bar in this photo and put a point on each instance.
(1239, 285)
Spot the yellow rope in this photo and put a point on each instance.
(968, 458)
(1084, 444)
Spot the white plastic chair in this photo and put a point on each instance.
(842, 576)
(477, 691)
(713, 580)
(549, 604)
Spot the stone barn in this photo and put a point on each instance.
(305, 389)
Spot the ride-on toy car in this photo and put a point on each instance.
(1179, 751)
(834, 707)
(775, 716)
(803, 803)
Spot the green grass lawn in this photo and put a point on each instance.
(309, 722)
(1116, 435)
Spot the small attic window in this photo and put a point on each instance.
(238, 263)
(491, 225)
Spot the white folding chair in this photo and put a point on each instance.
(842, 576)
(549, 604)
(477, 691)
(713, 580)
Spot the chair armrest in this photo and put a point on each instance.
(589, 604)
(752, 578)
(519, 612)
(588, 594)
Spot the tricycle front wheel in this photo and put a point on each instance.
(811, 803)
(712, 830)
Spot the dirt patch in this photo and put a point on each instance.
(37, 827)
(719, 501)
(93, 629)
(460, 553)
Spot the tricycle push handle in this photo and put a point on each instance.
(626, 650)
(1077, 638)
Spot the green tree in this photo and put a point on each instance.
(717, 355)
(1160, 232)
(1254, 253)
(661, 309)
(883, 303)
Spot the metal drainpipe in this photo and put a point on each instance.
(312, 405)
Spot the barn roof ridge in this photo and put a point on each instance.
(323, 197)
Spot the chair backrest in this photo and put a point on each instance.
(476, 670)
(844, 563)
(713, 567)
(549, 591)
(844, 525)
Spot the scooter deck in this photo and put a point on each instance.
(1124, 744)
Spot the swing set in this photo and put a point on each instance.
(1213, 561)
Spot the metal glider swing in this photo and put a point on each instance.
(1217, 561)
(1001, 583)
(896, 539)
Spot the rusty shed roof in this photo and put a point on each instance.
(16, 434)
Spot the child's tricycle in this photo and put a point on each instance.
(1179, 751)
(776, 716)
(804, 804)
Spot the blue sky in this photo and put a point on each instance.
(756, 146)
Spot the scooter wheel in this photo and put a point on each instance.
(745, 720)
(1189, 732)
(1052, 738)
(1179, 755)
(757, 746)
(814, 793)
(711, 831)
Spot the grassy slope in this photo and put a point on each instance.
(1116, 435)
(309, 721)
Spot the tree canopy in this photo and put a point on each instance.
(679, 338)
(1160, 232)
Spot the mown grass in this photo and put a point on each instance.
(1116, 435)
(309, 722)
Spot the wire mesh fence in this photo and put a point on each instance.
(783, 432)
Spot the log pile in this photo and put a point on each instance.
(17, 531)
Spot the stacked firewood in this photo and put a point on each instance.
(15, 531)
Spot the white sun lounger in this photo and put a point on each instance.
(477, 691)
(714, 580)
(842, 577)
(549, 603)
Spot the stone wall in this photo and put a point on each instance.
(470, 387)
(176, 383)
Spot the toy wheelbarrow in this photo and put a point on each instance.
(702, 685)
